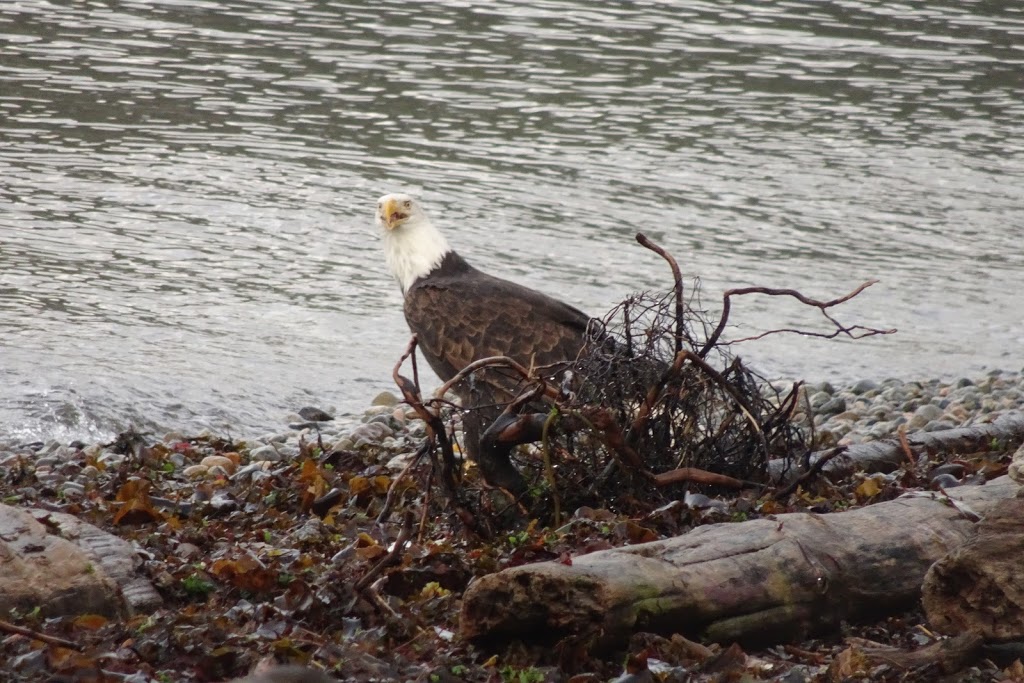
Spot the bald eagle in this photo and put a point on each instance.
(460, 314)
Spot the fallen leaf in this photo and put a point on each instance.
(869, 488)
(136, 507)
(245, 572)
(90, 622)
(848, 664)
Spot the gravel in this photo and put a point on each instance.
(876, 410)
(863, 411)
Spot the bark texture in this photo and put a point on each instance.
(64, 566)
(979, 587)
(766, 580)
(1005, 433)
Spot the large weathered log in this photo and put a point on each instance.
(115, 556)
(979, 587)
(1005, 433)
(62, 565)
(757, 581)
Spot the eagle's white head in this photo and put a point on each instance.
(413, 247)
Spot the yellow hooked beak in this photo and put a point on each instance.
(392, 214)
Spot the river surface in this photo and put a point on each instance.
(187, 186)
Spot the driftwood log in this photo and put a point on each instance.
(765, 580)
(979, 587)
(62, 565)
(1006, 432)
(885, 455)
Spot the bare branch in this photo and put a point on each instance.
(392, 495)
(810, 473)
(437, 434)
(549, 470)
(678, 284)
(393, 556)
(851, 331)
(699, 476)
(489, 362)
(8, 627)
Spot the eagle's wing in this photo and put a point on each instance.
(461, 319)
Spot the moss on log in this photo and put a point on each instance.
(766, 580)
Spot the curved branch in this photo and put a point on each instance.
(678, 279)
(490, 361)
(436, 433)
(699, 476)
(549, 470)
(820, 305)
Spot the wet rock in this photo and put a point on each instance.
(833, 406)
(227, 465)
(864, 386)
(345, 443)
(311, 531)
(188, 551)
(893, 394)
(268, 452)
(195, 471)
(315, 414)
(72, 489)
(917, 422)
(383, 418)
(47, 461)
(929, 412)
(399, 417)
(819, 399)
(51, 447)
(938, 426)
(400, 462)
(385, 398)
(375, 411)
(370, 433)
(9, 459)
(253, 468)
(944, 481)
(110, 459)
(881, 430)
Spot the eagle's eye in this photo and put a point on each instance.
(408, 204)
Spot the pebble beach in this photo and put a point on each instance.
(207, 516)
(864, 411)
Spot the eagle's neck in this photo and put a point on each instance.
(414, 250)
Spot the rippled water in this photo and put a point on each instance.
(186, 187)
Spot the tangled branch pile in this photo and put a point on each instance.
(655, 405)
(676, 409)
